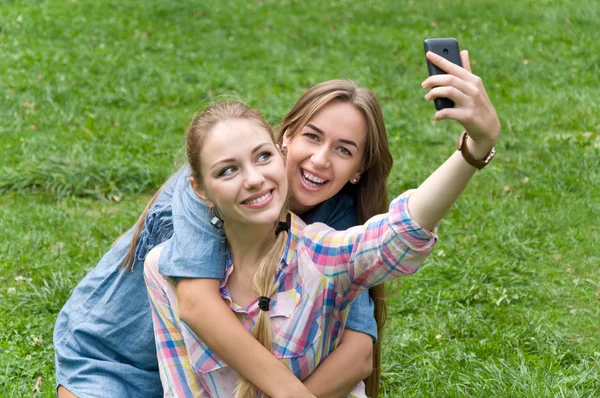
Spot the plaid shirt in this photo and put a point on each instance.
(321, 272)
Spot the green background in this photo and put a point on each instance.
(95, 97)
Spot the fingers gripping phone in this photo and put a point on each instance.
(446, 48)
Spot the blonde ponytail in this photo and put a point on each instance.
(264, 286)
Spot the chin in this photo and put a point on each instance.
(308, 200)
(267, 216)
(266, 219)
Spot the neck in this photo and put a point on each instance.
(298, 208)
(248, 243)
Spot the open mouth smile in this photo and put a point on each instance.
(311, 180)
(259, 200)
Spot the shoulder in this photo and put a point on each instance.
(151, 262)
(154, 255)
(301, 232)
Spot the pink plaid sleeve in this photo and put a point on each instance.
(176, 373)
(386, 247)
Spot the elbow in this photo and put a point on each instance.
(362, 352)
(365, 358)
(191, 311)
(366, 367)
(186, 309)
(196, 298)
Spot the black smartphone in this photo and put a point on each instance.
(446, 48)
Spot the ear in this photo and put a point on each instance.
(286, 139)
(359, 172)
(356, 176)
(200, 193)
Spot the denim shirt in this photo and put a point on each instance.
(103, 337)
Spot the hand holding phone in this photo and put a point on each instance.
(448, 49)
(472, 107)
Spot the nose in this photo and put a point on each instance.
(254, 179)
(319, 159)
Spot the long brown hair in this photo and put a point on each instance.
(371, 191)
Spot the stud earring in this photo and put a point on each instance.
(355, 180)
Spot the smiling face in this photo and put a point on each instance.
(243, 174)
(325, 154)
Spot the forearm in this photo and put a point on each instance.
(475, 112)
(204, 311)
(430, 202)
(354, 355)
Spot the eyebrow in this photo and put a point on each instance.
(343, 140)
(229, 160)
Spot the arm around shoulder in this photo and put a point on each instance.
(205, 312)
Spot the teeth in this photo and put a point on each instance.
(312, 178)
(258, 200)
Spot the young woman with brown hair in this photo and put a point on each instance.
(322, 269)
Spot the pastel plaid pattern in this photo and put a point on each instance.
(321, 272)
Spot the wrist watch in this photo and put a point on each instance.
(461, 145)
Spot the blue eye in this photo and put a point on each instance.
(264, 156)
(227, 171)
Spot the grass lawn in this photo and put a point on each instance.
(95, 97)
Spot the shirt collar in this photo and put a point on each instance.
(296, 227)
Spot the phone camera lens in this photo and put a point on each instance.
(445, 51)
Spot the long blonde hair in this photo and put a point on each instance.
(371, 191)
(263, 281)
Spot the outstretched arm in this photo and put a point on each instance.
(474, 111)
